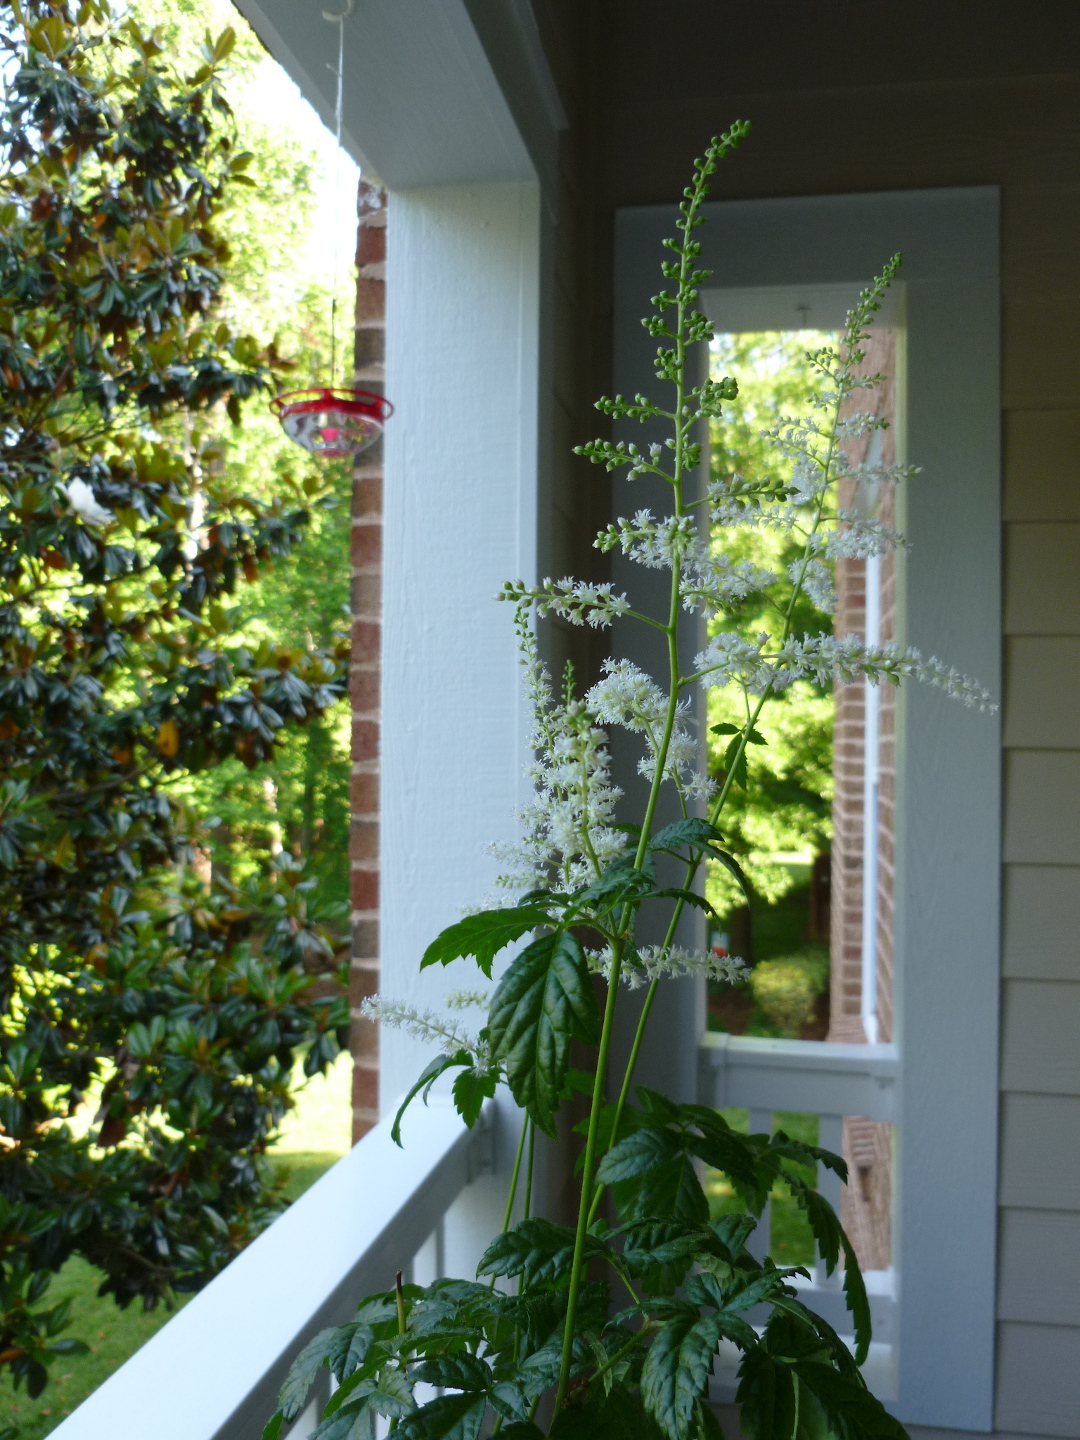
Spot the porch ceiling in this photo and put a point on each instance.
(434, 95)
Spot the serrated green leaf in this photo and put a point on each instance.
(272, 1428)
(544, 1001)
(693, 831)
(538, 1250)
(637, 1154)
(849, 1407)
(484, 935)
(302, 1373)
(470, 1089)
(734, 869)
(677, 1368)
(450, 1417)
(429, 1075)
(455, 1372)
(857, 1301)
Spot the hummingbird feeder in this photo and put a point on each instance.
(333, 420)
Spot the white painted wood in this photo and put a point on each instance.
(213, 1372)
(1041, 939)
(948, 842)
(427, 101)
(460, 518)
(814, 1077)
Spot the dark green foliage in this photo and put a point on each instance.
(544, 1001)
(179, 1007)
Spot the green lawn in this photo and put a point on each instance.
(315, 1135)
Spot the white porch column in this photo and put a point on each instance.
(460, 512)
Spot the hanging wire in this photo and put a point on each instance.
(340, 73)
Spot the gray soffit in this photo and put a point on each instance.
(437, 92)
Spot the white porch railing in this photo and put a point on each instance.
(831, 1081)
(213, 1372)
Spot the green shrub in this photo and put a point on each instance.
(787, 988)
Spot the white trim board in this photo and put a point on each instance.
(949, 827)
(428, 98)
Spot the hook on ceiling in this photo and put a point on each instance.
(339, 14)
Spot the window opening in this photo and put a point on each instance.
(815, 824)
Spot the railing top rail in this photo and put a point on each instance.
(817, 1076)
(214, 1370)
(879, 1059)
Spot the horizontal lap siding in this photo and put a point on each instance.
(1038, 1381)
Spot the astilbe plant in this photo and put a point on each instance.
(618, 1320)
(180, 1010)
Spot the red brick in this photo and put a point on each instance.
(365, 1088)
(365, 941)
(364, 794)
(364, 889)
(370, 299)
(363, 983)
(364, 687)
(364, 840)
(366, 644)
(370, 244)
(365, 543)
(367, 594)
(367, 497)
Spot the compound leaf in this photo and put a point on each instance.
(544, 1001)
(484, 935)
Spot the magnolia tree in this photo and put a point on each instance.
(611, 1328)
(174, 1010)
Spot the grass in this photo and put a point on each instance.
(315, 1134)
(790, 1239)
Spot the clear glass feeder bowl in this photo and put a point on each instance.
(330, 421)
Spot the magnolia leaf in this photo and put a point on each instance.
(484, 935)
(544, 1000)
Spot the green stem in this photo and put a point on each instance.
(645, 1331)
(682, 424)
(513, 1184)
(529, 1170)
(578, 1264)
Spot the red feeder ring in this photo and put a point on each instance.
(332, 421)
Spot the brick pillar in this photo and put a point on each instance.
(364, 677)
(866, 1203)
